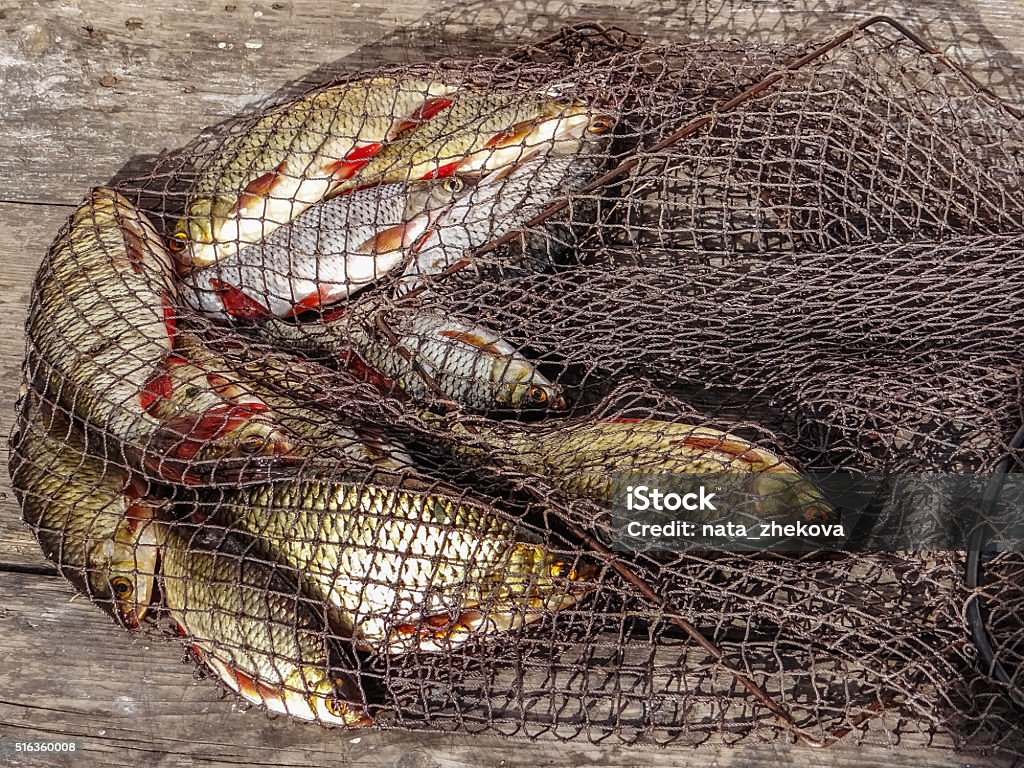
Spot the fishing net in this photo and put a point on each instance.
(798, 259)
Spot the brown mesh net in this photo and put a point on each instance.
(379, 486)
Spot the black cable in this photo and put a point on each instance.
(972, 576)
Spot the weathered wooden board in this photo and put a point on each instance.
(71, 674)
(87, 88)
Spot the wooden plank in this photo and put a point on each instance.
(27, 233)
(129, 699)
(88, 86)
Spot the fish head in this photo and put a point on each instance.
(315, 693)
(562, 581)
(122, 569)
(531, 390)
(249, 432)
(192, 244)
(427, 204)
(333, 701)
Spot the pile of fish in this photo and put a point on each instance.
(167, 478)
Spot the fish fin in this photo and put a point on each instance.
(423, 240)
(353, 162)
(385, 241)
(257, 189)
(238, 304)
(170, 318)
(442, 171)
(365, 372)
(438, 632)
(314, 300)
(334, 314)
(517, 132)
(428, 109)
(157, 388)
(473, 340)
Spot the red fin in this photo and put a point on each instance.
(252, 689)
(422, 241)
(353, 162)
(238, 304)
(315, 300)
(385, 241)
(442, 171)
(160, 387)
(334, 314)
(136, 514)
(364, 372)
(170, 318)
(258, 188)
(430, 108)
(517, 132)
(473, 340)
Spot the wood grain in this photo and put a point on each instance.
(128, 700)
(91, 90)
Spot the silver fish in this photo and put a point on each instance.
(329, 252)
(467, 363)
(291, 157)
(496, 205)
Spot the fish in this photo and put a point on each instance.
(497, 204)
(87, 514)
(247, 620)
(482, 132)
(329, 252)
(101, 345)
(291, 157)
(470, 366)
(599, 459)
(407, 569)
(300, 397)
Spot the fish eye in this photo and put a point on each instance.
(336, 707)
(453, 184)
(122, 587)
(252, 444)
(178, 242)
(562, 570)
(536, 395)
(599, 126)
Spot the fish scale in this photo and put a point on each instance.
(404, 569)
(84, 517)
(289, 159)
(329, 252)
(249, 622)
